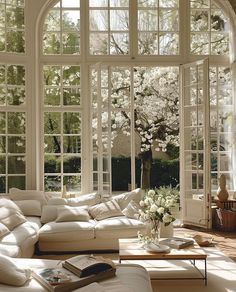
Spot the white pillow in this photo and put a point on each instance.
(49, 213)
(11, 274)
(105, 210)
(67, 213)
(57, 201)
(18, 195)
(3, 230)
(124, 199)
(29, 207)
(9, 204)
(132, 210)
(11, 218)
(87, 199)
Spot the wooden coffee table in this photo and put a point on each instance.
(131, 249)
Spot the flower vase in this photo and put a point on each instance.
(155, 232)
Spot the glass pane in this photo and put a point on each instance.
(199, 20)
(16, 164)
(52, 183)
(14, 17)
(218, 21)
(148, 43)
(52, 21)
(71, 96)
(168, 20)
(168, 3)
(70, 43)
(16, 123)
(224, 75)
(119, 3)
(71, 123)
(225, 96)
(226, 142)
(71, 20)
(3, 93)
(71, 3)
(16, 182)
(147, 20)
(15, 41)
(16, 144)
(72, 183)
(52, 75)
(148, 3)
(214, 162)
(214, 182)
(52, 144)
(71, 75)
(72, 144)
(119, 20)
(225, 162)
(2, 144)
(199, 3)
(98, 20)
(226, 121)
(2, 165)
(16, 95)
(52, 123)
(52, 164)
(2, 184)
(119, 43)
(71, 164)
(98, 43)
(16, 75)
(98, 3)
(51, 43)
(169, 44)
(219, 44)
(2, 40)
(200, 43)
(2, 123)
(52, 96)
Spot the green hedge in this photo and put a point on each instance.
(163, 173)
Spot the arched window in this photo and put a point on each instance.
(101, 117)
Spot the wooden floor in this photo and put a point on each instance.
(225, 241)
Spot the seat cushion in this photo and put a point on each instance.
(118, 227)
(67, 231)
(35, 222)
(10, 250)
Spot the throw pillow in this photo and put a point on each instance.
(124, 199)
(11, 218)
(18, 195)
(87, 199)
(3, 230)
(57, 201)
(9, 204)
(49, 213)
(132, 210)
(11, 274)
(29, 207)
(105, 210)
(67, 213)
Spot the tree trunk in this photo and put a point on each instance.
(146, 164)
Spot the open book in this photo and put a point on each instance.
(177, 242)
(85, 265)
(62, 280)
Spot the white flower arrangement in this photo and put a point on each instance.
(155, 208)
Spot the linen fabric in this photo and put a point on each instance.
(30, 207)
(67, 213)
(18, 195)
(3, 230)
(86, 199)
(124, 199)
(132, 210)
(105, 210)
(11, 274)
(11, 218)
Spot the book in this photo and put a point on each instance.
(85, 265)
(177, 242)
(62, 280)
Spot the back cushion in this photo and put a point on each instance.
(87, 199)
(67, 213)
(57, 201)
(3, 230)
(11, 218)
(49, 213)
(124, 199)
(9, 204)
(29, 207)
(105, 210)
(19, 195)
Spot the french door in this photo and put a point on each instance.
(195, 186)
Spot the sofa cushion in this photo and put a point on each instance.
(49, 213)
(57, 201)
(10, 250)
(118, 227)
(3, 230)
(132, 210)
(105, 210)
(11, 218)
(124, 199)
(86, 199)
(67, 213)
(67, 231)
(7, 203)
(18, 195)
(11, 274)
(34, 222)
(29, 207)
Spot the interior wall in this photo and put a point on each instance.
(233, 4)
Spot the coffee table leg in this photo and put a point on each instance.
(205, 272)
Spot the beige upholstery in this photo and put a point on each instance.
(133, 277)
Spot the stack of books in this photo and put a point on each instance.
(177, 242)
(75, 272)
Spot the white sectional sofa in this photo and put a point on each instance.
(100, 231)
